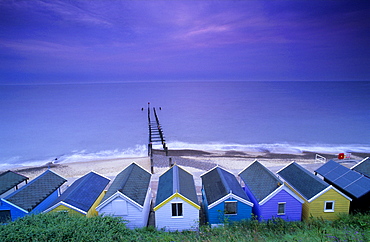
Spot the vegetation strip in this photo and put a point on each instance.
(64, 227)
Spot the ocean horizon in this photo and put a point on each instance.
(89, 121)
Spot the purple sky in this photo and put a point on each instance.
(62, 41)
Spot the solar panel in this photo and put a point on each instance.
(348, 180)
(335, 173)
(359, 188)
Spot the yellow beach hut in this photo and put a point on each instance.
(82, 197)
(321, 200)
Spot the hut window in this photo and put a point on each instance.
(231, 207)
(5, 216)
(176, 209)
(329, 206)
(281, 208)
(119, 207)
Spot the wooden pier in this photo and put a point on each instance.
(156, 135)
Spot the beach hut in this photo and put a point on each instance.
(270, 196)
(363, 167)
(223, 197)
(176, 205)
(129, 197)
(9, 182)
(82, 196)
(320, 199)
(353, 184)
(33, 197)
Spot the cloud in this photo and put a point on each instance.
(160, 37)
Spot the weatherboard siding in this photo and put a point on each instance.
(62, 208)
(46, 203)
(92, 211)
(256, 210)
(305, 205)
(136, 217)
(293, 207)
(15, 212)
(146, 209)
(189, 220)
(315, 208)
(216, 214)
(341, 205)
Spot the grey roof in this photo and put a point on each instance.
(217, 183)
(10, 179)
(348, 180)
(36, 191)
(84, 191)
(260, 180)
(306, 183)
(132, 182)
(176, 180)
(363, 167)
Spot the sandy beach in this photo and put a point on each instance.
(194, 161)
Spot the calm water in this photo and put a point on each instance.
(74, 122)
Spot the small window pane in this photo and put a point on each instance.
(5, 216)
(329, 207)
(281, 208)
(179, 209)
(176, 209)
(174, 212)
(230, 207)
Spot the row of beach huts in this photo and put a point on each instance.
(292, 194)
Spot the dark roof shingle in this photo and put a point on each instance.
(132, 182)
(176, 180)
(84, 191)
(307, 184)
(217, 183)
(260, 180)
(10, 179)
(36, 191)
(363, 167)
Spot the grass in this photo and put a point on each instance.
(64, 227)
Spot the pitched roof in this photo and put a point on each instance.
(260, 180)
(132, 182)
(217, 183)
(32, 194)
(84, 191)
(363, 167)
(10, 179)
(306, 183)
(348, 180)
(175, 180)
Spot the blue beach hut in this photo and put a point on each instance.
(223, 197)
(34, 197)
(271, 198)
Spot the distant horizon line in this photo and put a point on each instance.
(162, 81)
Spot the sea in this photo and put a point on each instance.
(71, 122)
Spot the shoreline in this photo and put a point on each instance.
(192, 160)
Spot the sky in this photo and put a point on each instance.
(110, 41)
